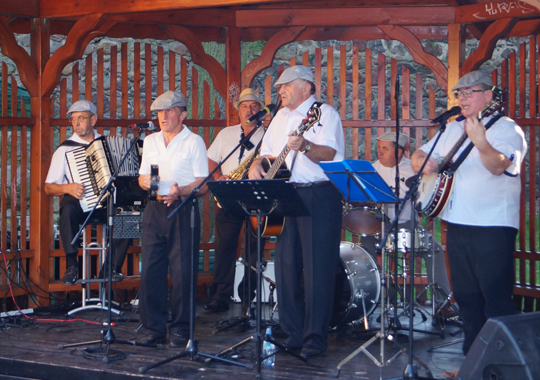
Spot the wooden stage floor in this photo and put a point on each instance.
(30, 350)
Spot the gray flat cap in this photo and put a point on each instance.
(472, 79)
(168, 100)
(295, 72)
(391, 136)
(247, 94)
(82, 106)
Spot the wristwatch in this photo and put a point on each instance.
(306, 148)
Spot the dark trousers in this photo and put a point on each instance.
(166, 248)
(482, 271)
(307, 256)
(228, 228)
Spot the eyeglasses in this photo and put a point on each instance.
(80, 119)
(466, 93)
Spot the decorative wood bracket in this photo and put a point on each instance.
(440, 71)
(199, 56)
(25, 64)
(487, 44)
(84, 30)
(268, 53)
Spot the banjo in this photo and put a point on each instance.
(435, 189)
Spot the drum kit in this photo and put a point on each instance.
(358, 283)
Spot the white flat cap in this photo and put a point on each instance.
(472, 79)
(295, 72)
(82, 106)
(391, 136)
(168, 100)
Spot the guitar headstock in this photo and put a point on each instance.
(496, 103)
(313, 116)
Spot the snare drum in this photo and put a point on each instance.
(362, 219)
(422, 240)
(359, 275)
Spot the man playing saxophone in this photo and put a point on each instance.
(227, 227)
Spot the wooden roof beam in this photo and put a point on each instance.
(416, 49)
(328, 17)
(487, 43)
(27, 8)
(470, 14)
(68, 8)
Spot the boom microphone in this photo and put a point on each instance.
(261, 114)
(447, 115)
(148, 125)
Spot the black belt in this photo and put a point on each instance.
(311, 184)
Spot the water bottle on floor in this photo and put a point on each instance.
(269, 351)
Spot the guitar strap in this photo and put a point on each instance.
(467, 150)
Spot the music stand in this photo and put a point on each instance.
(259, 198)
(358, 181)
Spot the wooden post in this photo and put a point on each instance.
(40, 157)
(233, 53)
(456, 55)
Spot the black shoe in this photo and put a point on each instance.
(216, 306)
(309, 352)
(152, 339)
(179, 339)
(71, 275)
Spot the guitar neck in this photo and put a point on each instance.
(277, 163)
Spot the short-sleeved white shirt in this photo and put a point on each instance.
(226, 141)
(182, 161)
(479, 198)
(59, 169)
(389, 176)
(328, 132)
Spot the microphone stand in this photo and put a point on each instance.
(192, 349)
(108, 336)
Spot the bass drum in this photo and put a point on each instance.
(358, 274)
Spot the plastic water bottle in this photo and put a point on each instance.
(269, 350)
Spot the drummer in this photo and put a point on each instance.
(386, 167)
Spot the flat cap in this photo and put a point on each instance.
(247, 94)
(295, 72)
(82, 106)
(168, 100)
(391, 136)
(472, 79)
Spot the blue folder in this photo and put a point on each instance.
(358, 181)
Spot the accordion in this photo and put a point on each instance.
(94, 164)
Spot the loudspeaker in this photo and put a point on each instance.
(506, 348)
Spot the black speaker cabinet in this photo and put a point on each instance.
(507, 348)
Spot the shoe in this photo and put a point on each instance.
(216, 306)
(152, 339)
(71, 275)
(179, 339)
(309, 352)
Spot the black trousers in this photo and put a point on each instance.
(228, 228)
(482, 271)
(166, 248)
(307, 256)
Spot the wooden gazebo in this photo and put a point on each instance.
(359, 83)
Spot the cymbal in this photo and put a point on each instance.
(409, 181)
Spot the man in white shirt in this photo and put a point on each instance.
(483, 208)
(59, 182)
(228, 226)
(386, 167)
(307, 251)
(166, 243)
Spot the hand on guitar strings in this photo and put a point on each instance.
(256, 170)
(476, 132)
(296, 142)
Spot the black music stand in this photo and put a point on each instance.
(259, 198)
(358, 181)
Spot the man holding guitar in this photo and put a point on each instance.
(307, 251)
(483, 208)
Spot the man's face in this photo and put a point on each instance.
(386, 153)
(246, 109)
(294, 93)
(472, 102)
(83, 124)
(170, 119)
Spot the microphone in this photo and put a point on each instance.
(261, 114)
(148, 125)
(447, 115)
